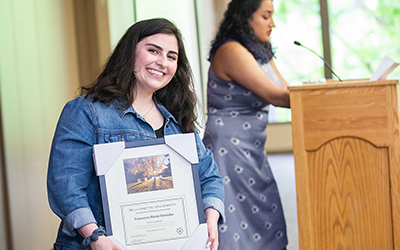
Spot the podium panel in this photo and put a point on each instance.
(347, 161)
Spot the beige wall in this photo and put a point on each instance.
(279, 138)
(38, 74)
(4, 222)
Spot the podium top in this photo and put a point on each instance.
(342, 84)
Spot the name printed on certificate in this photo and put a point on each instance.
(153, 221)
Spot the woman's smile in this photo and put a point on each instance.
(155, 72)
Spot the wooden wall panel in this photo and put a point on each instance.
(92, 38)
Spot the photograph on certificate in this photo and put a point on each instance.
(149, 173)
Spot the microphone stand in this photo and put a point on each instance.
(325, 62)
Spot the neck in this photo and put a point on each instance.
(142, 98)
(143, 102)
(147, 109)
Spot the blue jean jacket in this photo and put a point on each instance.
(72, 184)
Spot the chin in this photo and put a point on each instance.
(265, 39)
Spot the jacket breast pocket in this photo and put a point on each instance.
(117, 137)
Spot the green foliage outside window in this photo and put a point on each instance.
(362, 33)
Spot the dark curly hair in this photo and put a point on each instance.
(235, 26)
(118, 81)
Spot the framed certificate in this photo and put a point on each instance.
(151, 193)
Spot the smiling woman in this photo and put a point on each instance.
(144, 92)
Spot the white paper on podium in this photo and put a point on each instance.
(385, 67)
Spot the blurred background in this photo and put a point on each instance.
(48, 48)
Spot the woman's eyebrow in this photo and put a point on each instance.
(160, 48)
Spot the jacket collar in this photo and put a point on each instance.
(117, 103)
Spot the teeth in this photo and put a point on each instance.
(155, 72)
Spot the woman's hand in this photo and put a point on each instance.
(103, 243)
(212, 217)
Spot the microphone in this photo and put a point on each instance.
(325, 62)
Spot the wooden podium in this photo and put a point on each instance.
(346, 147)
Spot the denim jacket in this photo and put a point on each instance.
(72, 184)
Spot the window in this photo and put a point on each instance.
(361, 33)
(296, 21)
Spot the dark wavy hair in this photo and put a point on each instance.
(118, 81)
(235, 26)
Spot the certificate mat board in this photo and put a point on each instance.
(151, 193)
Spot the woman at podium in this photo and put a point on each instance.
(242, 81)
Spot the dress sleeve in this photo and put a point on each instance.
(70, 169)
(212, 188)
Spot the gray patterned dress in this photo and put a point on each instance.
(235, 132)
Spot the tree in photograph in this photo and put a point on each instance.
(147, 167)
